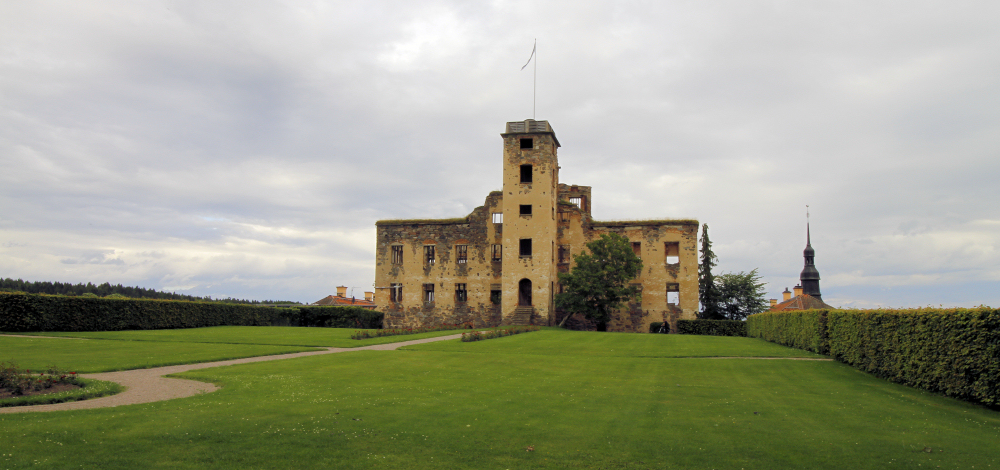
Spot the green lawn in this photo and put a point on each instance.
(95, 355)
(579, 400)
(558, 342)
(274, 335)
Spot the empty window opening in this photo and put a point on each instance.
(525, 173)
(525, 247)
(461, 295)
(563, 254)
(637, 248)
(428, 292)
(527, 143)
(525, 209)
(673, 252)
(397, 254)
(497, 252)
(673, 293)
(395, 292)
(498, 217)
(524, 292)
(495, 296)
(576, 200)
(462, 253)
(429, 254)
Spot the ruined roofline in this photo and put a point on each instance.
(629, 223)
(455, 221)
(451, 221)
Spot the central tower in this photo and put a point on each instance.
(530, 193)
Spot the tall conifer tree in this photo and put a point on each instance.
(708, 293)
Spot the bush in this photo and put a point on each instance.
(655, 327)
(955, 352)
(712, 327)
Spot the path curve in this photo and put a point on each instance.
(149, 385)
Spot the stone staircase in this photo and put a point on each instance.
(522, 315)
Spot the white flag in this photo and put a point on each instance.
(532, 54)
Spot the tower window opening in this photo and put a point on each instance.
(462, 253)
(396, 292)
(575, 200)
(637, 248)
(673, 293)
(497, 252)
(673, 252)
(525, 209)
(429, 254)
(525, 173)
(429, 293)
(397, 254)
(461, 295)
(498, 217)
(526, 248)
(527, 144)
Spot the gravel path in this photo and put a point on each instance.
(149, 385)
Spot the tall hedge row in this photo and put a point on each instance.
(803, 329)
(338, 317)
(712, 327)
(951, 351)
(39, 312)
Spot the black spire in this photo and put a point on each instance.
(810, 276)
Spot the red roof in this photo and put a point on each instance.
(333, 300)
(800, 302)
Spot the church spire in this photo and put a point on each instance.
(809, 276)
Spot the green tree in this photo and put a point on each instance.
(708, 293)
(741, 294)
(599, 282)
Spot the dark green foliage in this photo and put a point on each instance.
(106, 289)
(30, 312)
(337, 317)
(803, 329)
(599, 282)
(712, 327)
(708, 293)
(740, 295)
(657, 327)
(951, 351)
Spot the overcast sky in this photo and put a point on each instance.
(246, 148)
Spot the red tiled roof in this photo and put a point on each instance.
(800, 302)
(333, 300)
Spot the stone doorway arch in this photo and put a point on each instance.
(524, 293)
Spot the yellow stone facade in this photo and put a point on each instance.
(500, 264)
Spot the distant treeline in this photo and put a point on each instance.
(106, 289)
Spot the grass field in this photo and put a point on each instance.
(95, 355)
(577, 400)
(273, 335)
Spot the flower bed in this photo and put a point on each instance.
(498, 333)
(366, 334)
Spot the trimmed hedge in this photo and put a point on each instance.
(338, 317)
(39, 312)
(802, 329)
(712, 327)
(955, 352)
